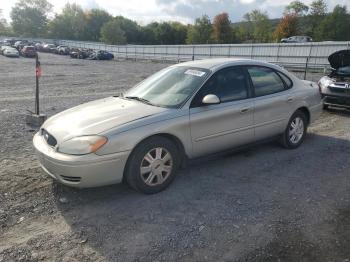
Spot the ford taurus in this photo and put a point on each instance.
(182, 112)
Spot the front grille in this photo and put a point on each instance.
(50, 139)
(340, 87)
(75, 179)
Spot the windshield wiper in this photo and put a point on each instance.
(138, 99)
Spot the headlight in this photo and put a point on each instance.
(325, 82)
(82, 145)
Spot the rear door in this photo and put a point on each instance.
(274, 100)
(225, 125)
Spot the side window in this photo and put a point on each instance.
(228, 84)
(265, 81)
(286, 80)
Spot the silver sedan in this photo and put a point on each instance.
(184, 111)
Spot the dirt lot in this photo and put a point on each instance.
(261, 204)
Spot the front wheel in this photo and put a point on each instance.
(152, 165)
(295, 132)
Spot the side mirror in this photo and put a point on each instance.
(210, 100)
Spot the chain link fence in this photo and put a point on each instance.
(301, 58)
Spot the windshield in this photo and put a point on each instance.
(170, 87)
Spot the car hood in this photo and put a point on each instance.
(339, 59)
(97, 116)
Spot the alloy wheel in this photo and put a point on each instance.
(156, 166)
(296, 130)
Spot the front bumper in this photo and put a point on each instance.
(89, 170)
(336, 97)
(11, 55)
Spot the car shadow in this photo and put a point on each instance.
(227, 206)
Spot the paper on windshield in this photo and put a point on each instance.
(194, 72)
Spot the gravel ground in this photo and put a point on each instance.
(261, 204)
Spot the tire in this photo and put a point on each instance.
(159, 174)
(299, 130)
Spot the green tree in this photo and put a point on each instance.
(296, 7)
(71, 23)
(167, 33)
(200, 32)
(258, 25)
(147, 34)
(335, 26)
(130, 28)
(222, 30)
(30, 17)
(318, 8)
(111, 33)
(179, 33)
(318, 11)
(95, 18)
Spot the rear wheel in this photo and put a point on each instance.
(152, 166)
(295, 132)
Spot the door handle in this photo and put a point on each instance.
(290, 99)
(244, 110)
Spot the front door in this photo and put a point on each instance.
(227, 124)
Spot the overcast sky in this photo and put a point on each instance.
(145, 11)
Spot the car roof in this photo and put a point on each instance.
(217, 63)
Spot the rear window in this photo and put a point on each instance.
(265, 81)
(30, 48)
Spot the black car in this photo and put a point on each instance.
(101, 55)
(335, 88)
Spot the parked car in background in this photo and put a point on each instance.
(101, 55)
(3, 47)
(184, 111)
(49, 48)
(296, 39)
(9, 41)
(20, 44)
(335, 87)
(38, 47)
(28, 51)
(10, 52)
(80, 53)
(63, 50)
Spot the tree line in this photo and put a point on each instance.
(33, 18)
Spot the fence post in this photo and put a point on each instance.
(126, 52)
(229, 51)
(307, 61)
(135, 51)
(210, 51)
(278, 52)
(251, 51)
(192, 52)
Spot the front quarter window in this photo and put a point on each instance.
(171, 87)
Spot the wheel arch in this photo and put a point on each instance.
(306, 111)
(177, 142)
